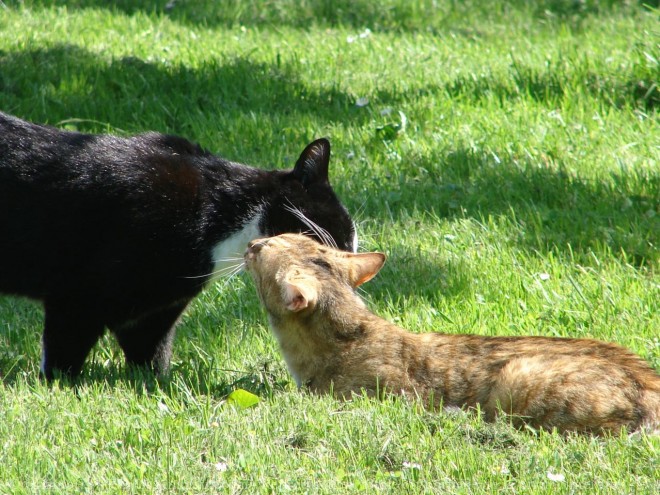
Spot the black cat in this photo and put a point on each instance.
(123, 232)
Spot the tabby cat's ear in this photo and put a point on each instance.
(365, 266)
(298, 295)
(312, 166)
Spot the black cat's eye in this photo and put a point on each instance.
(322, 263)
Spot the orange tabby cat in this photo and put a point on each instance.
(333, 343)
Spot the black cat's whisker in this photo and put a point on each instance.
(236, 271)
(323, 234)
(230, 270)
(226, 271)
(237, 258)
(227, 276)
(357, 216)
(362, 292)
(366, 239)
(225, 280)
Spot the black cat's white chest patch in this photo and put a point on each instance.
(227, 255)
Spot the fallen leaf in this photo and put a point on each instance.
(242, 398)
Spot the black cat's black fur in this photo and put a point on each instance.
(121, 233)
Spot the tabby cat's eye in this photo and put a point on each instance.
(322, 263)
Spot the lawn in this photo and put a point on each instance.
(506, 156)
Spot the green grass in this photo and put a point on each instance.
(521, 197)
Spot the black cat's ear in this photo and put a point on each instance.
(312, 166)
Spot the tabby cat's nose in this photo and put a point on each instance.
(256, 245)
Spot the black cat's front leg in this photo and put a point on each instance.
(147, 341)
(69, 335)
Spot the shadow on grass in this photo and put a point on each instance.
(57, 83)
(264, 380)
(567, 76)
(199, 364)
(549, 207)
(387, 15)
(196, 376)
(564, 77)
(196, 379)
(424, 275)
(66, 80)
